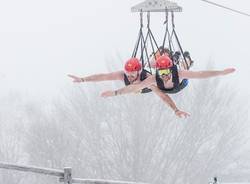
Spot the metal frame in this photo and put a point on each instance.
(156, 6)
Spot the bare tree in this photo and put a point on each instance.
(138, 138)
(11, 136)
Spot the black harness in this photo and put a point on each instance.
(143, 76)
(175, 79)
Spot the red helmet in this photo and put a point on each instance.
(163, 62)
(132, 65)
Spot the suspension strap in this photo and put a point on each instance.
(166, 31)
(142, 43)
(151, 36)
(146, 52)
(142, 51)
(139, 36)
(152, 40)
(178, 42)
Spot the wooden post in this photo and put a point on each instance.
(67, 175)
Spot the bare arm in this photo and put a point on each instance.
(204, 74)
(165, 97)
(99, 77)
(168, 100)
(132, 88)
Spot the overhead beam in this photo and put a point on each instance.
(156, 6)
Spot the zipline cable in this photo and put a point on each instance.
(230, 9)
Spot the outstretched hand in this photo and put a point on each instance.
(228, 71)
(75, 78)
(106, 94)
(181, 114)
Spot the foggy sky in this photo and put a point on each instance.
(42, 41)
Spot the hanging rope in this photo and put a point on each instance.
(166, 31)
(142, 43)
(178, 42)
(139, 36)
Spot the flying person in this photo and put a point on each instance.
(167, 79)
(133, 74)
(184, 64)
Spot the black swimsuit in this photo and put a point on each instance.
(175, 79)
(143, 76)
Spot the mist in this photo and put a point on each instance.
(47, 121)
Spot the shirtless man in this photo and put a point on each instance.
(132, 75)
(168, 79)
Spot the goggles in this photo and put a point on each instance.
(164, 72)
